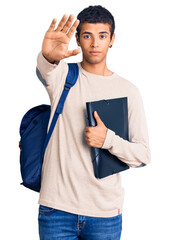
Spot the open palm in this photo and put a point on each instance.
(56, 41)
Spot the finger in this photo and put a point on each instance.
(52, 25)
(73, 52)
(68, 23)
(73, 28)
(86, 129)
(62, 23)
(97, 117)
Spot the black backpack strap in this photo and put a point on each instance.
(72, 76)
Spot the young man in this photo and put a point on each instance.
(73, 202)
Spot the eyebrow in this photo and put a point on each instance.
(91, 33)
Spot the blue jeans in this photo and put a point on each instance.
(61, 225)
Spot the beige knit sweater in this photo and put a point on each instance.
(68, 181)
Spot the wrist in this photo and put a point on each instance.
(49, 60)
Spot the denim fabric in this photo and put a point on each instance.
(61, 225)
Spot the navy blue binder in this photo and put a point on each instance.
(114, 114)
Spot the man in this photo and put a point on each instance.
(73, 202)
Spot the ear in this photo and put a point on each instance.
(112, 40)
(77, 40)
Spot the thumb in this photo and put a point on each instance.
(73, 52)
(96, 115)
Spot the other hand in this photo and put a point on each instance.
(95, 136)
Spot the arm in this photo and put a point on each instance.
(45, 70)
(52, 62)
(134, 152)
(50, 70)
(51, 75)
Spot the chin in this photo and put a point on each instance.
(93, 61)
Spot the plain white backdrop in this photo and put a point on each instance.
(140, 54)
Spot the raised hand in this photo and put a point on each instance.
(56, 41)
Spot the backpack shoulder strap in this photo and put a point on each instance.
(72, 76)
(73, 73)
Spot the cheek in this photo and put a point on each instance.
(85, 44)
(104, 45)
(85, 48)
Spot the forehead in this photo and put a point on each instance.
(95, 27)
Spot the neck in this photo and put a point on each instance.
(96, 68)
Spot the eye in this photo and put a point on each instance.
(86, 36)
(103, 36)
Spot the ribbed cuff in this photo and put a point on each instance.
(47, 65)
(108, 142)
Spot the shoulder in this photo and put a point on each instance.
(129, 89)
(127, 86)
(126, 83)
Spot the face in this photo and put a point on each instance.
(95, 41)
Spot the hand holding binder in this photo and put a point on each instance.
(114, 114)
(95, 136)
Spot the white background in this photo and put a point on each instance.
(140, 54)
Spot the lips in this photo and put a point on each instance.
(94, 52)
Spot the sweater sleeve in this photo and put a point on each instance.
(51, 75)
(136, 151)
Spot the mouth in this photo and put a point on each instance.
(94, 52)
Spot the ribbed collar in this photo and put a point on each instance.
(91, 75)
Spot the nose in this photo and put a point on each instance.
(94, 42)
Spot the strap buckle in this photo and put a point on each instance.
(67, 86)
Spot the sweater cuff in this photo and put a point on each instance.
(47, 66)
(109, 140)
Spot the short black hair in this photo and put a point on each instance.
(96, 14)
